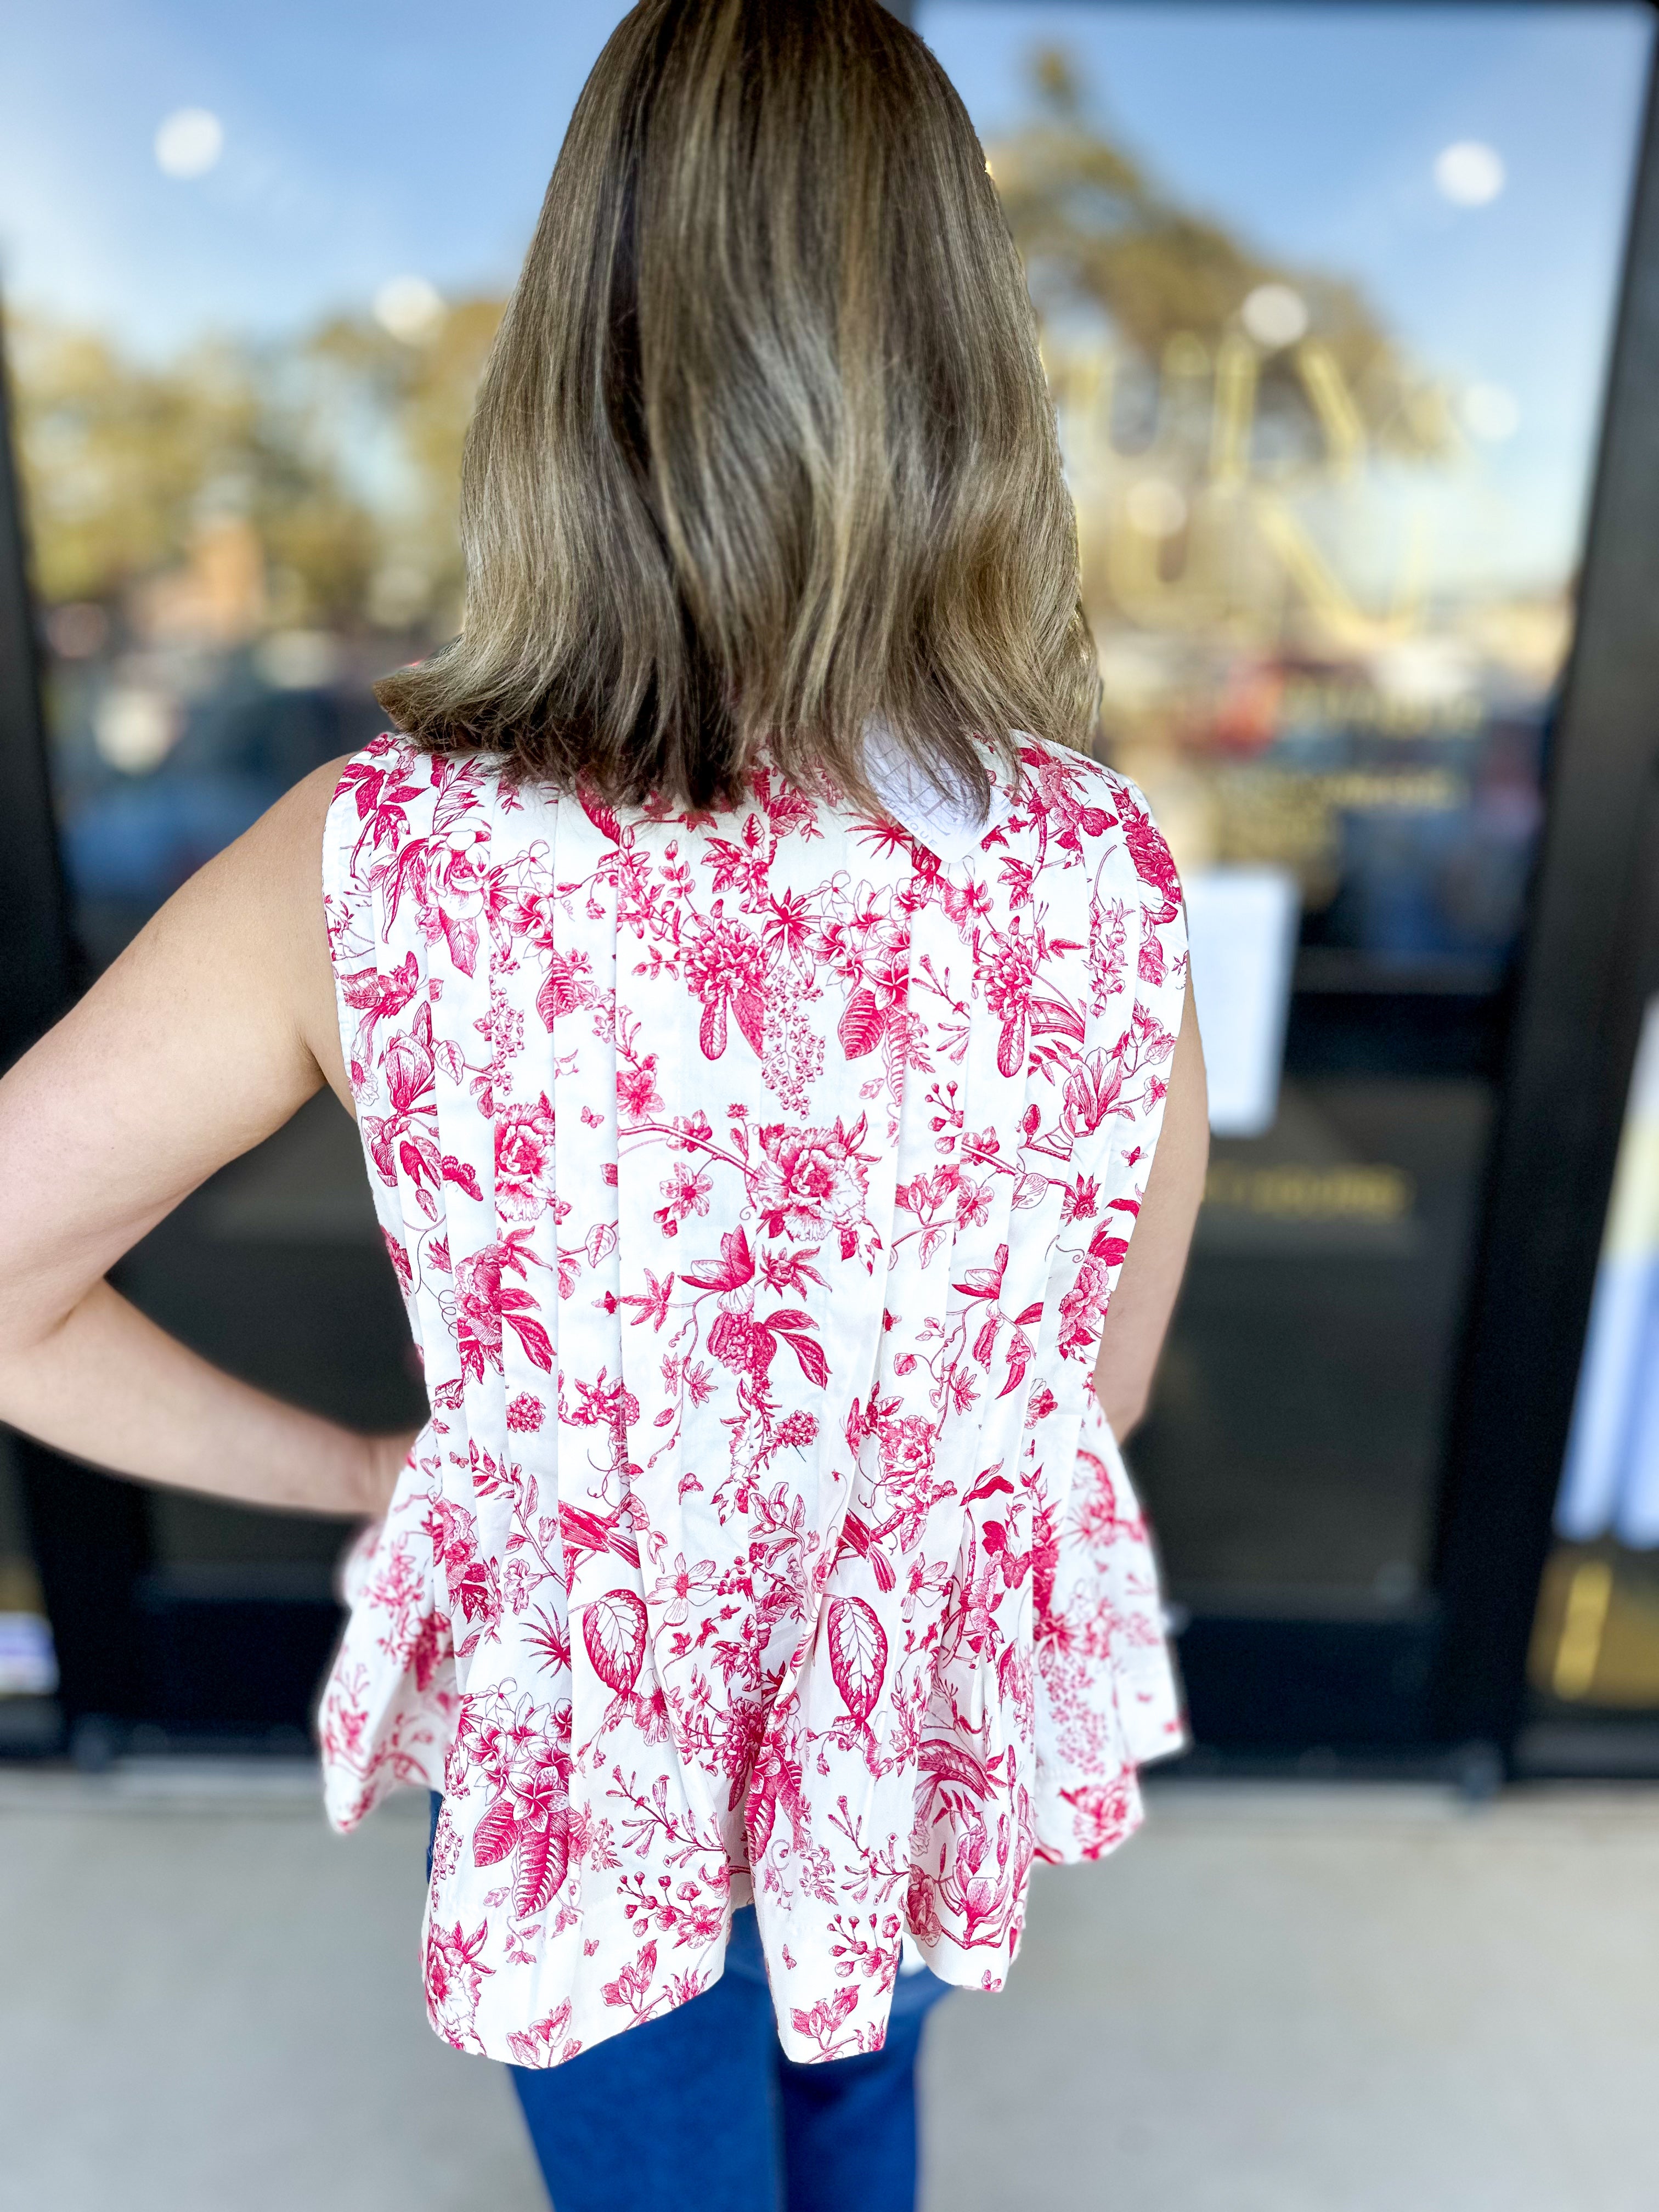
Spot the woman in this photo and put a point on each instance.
(772, 1062)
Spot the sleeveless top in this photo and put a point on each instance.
(756, 1183)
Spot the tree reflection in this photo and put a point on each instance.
(339, 454)
(1113, 254)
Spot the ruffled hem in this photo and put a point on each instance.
(682, 1516)
(1106, 1703)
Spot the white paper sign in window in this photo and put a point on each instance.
(1242, 930)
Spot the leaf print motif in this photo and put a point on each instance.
(750, 1011)
(787, 1323)
(539, 1870)
(948, 1762)
(463, 936)
(605, 818)
(496, 1834)
(814, 1362)
(735, 1269)
(565, 988)
(614, 1629)
(858, 1654)
(820, 2020)
(856, 1536)
(804, 1291)
(1010, 1046)
(862, 1025)
(1051, 1018)
(530, 2045)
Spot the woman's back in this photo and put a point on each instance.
(756, 1182)
(758, 1169)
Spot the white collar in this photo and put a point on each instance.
(944, 824)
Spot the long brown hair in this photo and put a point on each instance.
(763, 447)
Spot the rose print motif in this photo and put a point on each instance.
(399, 1259)
(808, 1184)
(725, 967)
(524, 1160)
(485, 1305)
(1083, 1310)
(756, 1184)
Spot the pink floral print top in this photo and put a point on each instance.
(756, 1183)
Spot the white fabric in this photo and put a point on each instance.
(756, 1184)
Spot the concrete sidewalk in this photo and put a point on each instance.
(1307, 1999)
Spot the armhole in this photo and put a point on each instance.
(1157, 992)
(342, 903)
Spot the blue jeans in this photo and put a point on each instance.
(699, 2110)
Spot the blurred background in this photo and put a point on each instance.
(1350, 314)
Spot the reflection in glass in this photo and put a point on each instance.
(243, 333)
(1325, 298)
(231, 545)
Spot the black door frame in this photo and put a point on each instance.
(1590, 960)
(89, 1532)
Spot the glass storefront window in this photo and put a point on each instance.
(249, 262)
(244, 326)
(1327, 296)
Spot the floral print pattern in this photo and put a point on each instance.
(756, 1183)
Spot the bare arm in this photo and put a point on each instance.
(1146, 1288)
(213, 1026)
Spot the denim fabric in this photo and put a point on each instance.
(699, 2110)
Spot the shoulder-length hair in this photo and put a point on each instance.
(764, 448)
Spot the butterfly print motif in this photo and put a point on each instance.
(756, 1184)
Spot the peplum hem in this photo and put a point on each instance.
(757, 1187)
